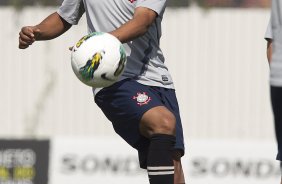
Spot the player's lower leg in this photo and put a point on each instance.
(160, 164)
(178, 171)
(158, 124)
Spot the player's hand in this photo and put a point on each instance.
(27, 36)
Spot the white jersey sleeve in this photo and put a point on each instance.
(71, 11)
(268, 33)
(157, 5)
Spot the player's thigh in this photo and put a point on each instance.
(157, 120)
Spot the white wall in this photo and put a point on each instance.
(217, 59)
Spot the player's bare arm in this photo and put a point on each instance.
(137, 26)
(50, 28)
(269, 50)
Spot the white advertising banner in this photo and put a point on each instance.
(110, 160)
(231, 162)
(95, 160)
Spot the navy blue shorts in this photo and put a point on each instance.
(124, 104)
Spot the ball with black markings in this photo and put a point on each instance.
(98, 59)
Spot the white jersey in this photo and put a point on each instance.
(274, 31)
(145, 60)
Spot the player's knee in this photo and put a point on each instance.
(158, 121)
(166, 124)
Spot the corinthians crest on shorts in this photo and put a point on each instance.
(142, 98)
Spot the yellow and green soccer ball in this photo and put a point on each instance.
(98, 59)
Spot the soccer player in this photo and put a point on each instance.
(142, 106)
(274, 52)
